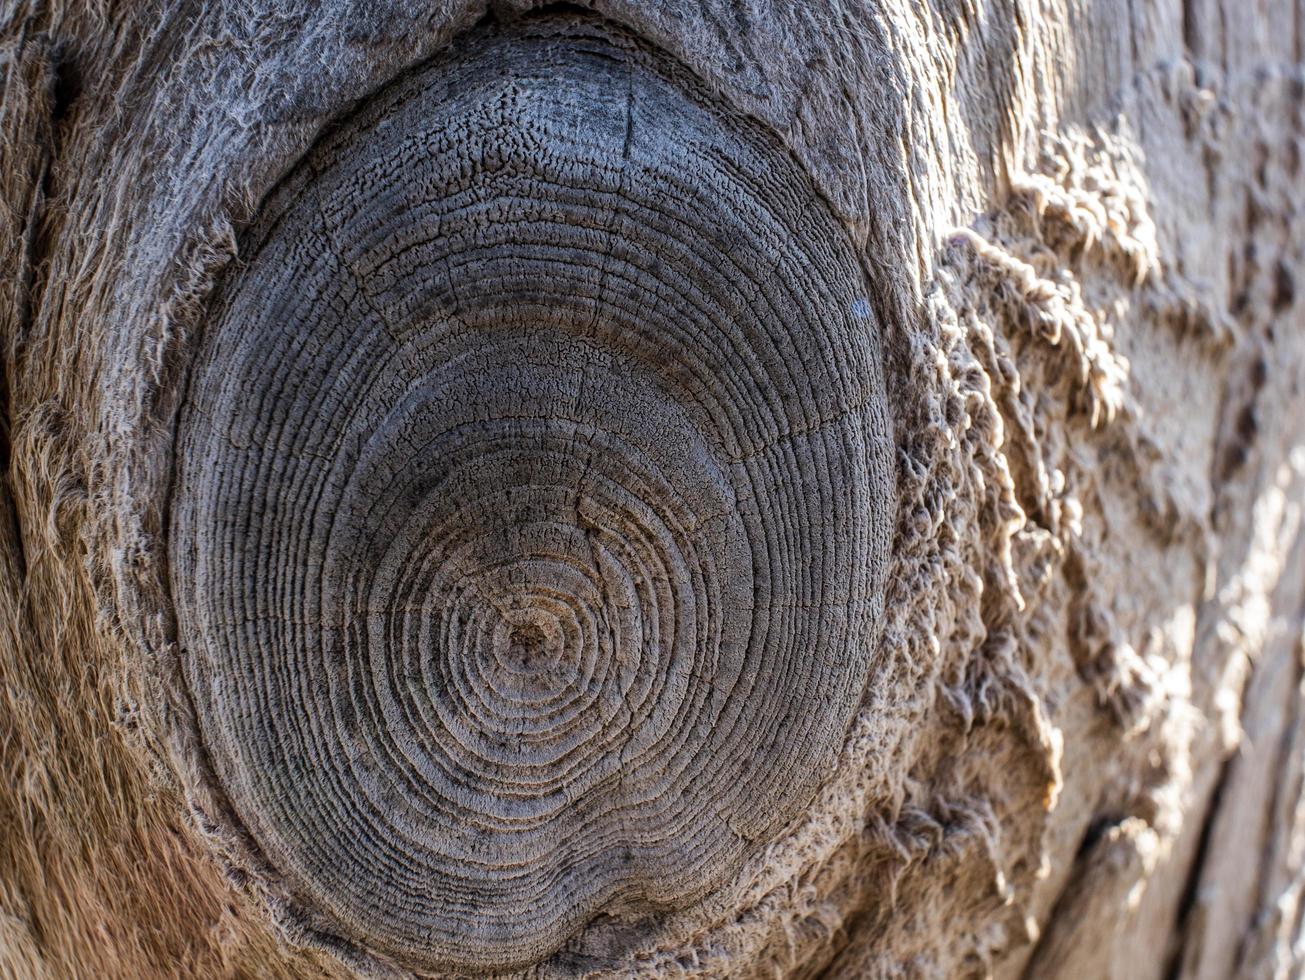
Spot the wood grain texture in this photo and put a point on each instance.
(533, 503)
(1078, 752)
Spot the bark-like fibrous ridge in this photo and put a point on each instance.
(532, 504)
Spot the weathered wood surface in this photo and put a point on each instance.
(719, 489)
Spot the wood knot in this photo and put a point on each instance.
(532, 504)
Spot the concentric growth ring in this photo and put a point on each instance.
(532, 504)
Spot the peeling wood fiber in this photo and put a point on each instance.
(1074, 747)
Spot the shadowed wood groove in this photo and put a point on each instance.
(532, 503)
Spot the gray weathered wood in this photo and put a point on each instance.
(890, 411)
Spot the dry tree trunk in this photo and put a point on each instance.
(707, 489)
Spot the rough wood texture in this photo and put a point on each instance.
(529, 538)
(1075, 748)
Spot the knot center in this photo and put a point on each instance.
(528, 647)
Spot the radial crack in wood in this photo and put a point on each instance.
(532, 503)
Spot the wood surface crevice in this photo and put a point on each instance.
(1078, 223)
